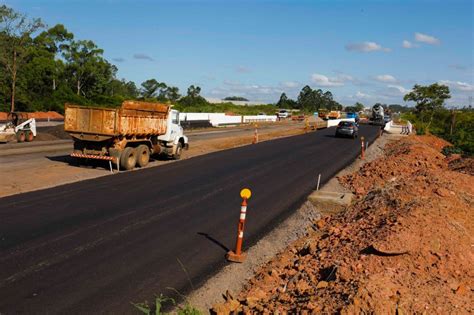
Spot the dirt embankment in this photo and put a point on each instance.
(405, 246)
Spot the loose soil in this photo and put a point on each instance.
(404, 246)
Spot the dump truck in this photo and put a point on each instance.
(334, 114)
(19, 127)
(127, 136)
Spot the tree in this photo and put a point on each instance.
(428, 99)
(149, 88)
(358, 107)
(194, 91)
(15, 36)
(172, 94)
(86, 65)
(283, 101)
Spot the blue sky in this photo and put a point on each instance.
(368, 51)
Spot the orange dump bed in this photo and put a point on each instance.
(133, 118)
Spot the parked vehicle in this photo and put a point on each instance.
(128, 135)
(323, 114)
(334, 114)
(347, 129)
(283, 113)
(19, 127)
(377, 115)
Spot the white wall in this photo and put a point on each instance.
(335, 122)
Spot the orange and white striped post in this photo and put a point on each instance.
(362, 152)
(255, 135)
(238, 255)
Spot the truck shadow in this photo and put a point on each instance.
(92, 163)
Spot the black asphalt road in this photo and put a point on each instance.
(94, 246)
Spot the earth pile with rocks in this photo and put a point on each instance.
(405, 246)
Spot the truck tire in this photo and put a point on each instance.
(128, 159)
(20, 136)
(143, 155)
(179, 149)
(29, 136)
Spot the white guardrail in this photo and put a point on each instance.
(220, 119)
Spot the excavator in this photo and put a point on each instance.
(19, 127)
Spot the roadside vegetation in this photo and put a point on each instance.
(160, 301)
(430, 116)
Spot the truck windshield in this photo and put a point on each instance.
(175, 118)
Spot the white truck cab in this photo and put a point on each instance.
(174, 140)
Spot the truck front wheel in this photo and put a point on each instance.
(177, 154)
(143, 155)
(128, 159)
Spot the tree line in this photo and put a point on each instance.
(310, 100)
(42, 68)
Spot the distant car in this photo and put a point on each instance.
(347, 129)
(387, 119)
(283, 114)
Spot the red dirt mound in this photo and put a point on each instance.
(405, 246)
(36, 115)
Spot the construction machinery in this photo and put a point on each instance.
(334, 114)
(19, 127)
(127, 135)
(377, 117)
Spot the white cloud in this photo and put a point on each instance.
(408, 44)
(363, 95)
(458, 85)
(400, 88)
(387, 78)
(366, 47)
(253, 92)
(289, 84)
(322, 80)
(427, 39)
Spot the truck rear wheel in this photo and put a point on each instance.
(29, 136)
(143, 155)
(128, 159)
(20, 136)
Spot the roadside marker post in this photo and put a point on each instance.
(237, 255)
(362, 152)
(255, 135)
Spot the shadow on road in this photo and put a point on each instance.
(214, 241)
(91, 163)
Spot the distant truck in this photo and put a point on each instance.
(323, 113)
(377, 117)
(334, 114)
(128, 135)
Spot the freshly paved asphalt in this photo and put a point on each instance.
(97, 245)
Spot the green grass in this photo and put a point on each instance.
(156, 307)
